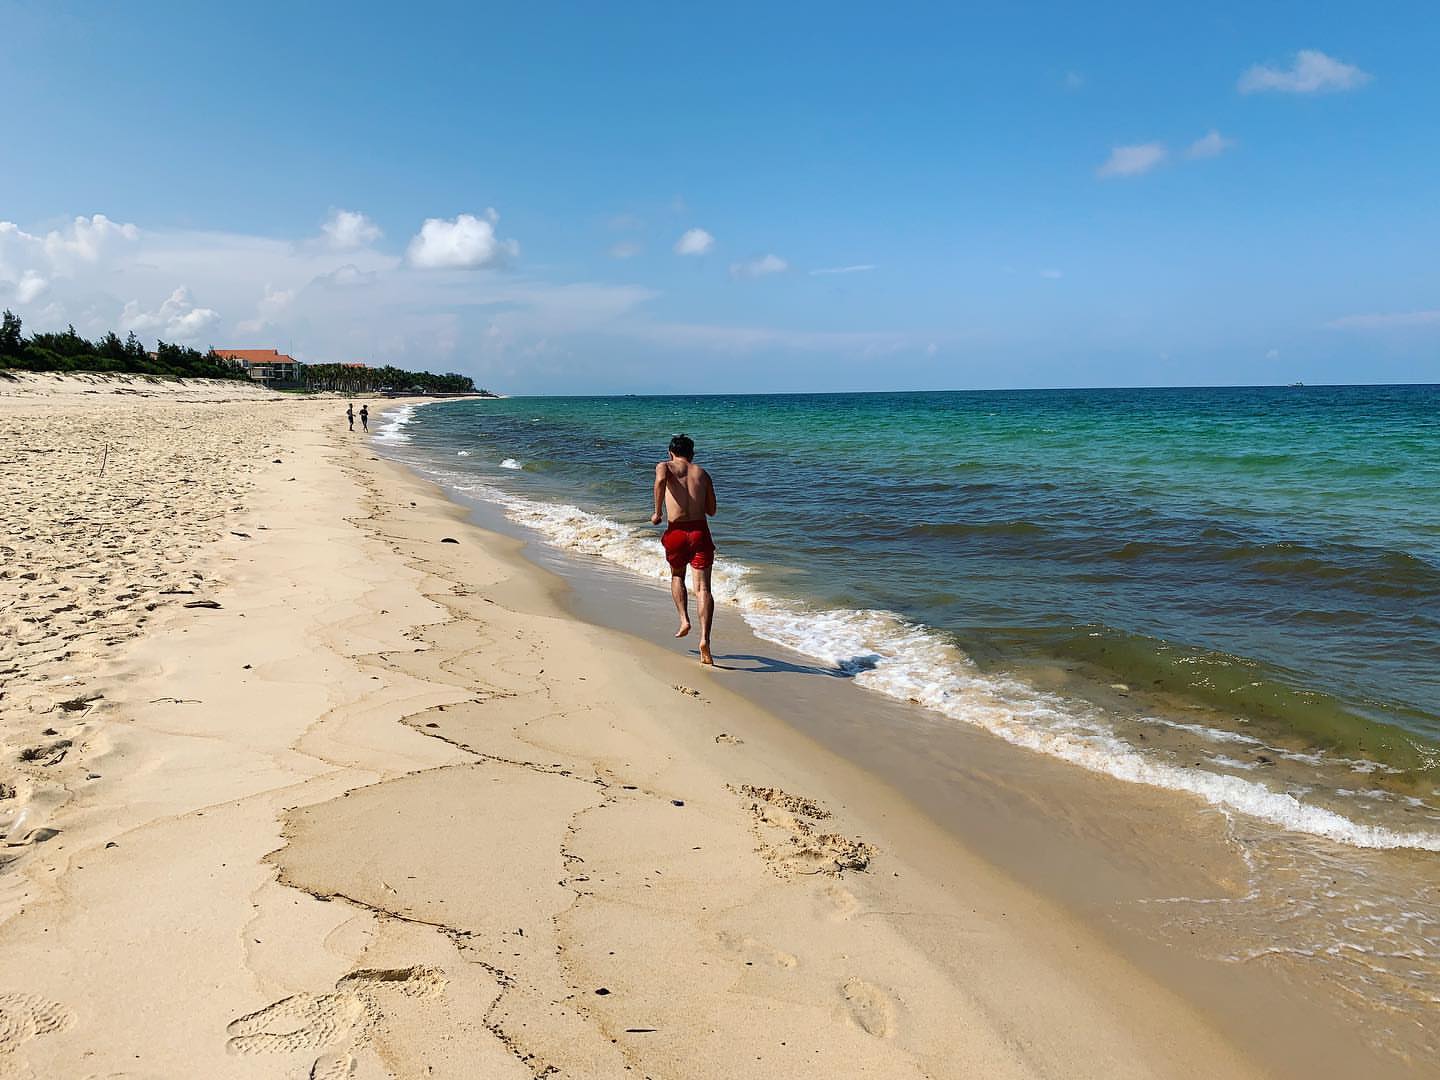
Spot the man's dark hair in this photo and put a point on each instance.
(682, 446)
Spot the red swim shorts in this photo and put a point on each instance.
(688, 542)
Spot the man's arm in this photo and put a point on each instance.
(660, 471)
(709, 494)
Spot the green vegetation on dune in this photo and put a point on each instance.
(68, 351)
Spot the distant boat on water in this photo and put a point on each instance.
(1297, 385)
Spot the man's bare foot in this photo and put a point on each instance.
(684, 629)
(705, 657)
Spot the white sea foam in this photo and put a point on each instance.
(511, 463)
(886, 654)
(1231, 763)
(393, 427)
(463, 453)
(1212, 734)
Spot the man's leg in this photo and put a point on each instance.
(677, 593)
(705, 603)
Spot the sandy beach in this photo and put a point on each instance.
(306, 775)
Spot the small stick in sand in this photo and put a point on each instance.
(105, 457)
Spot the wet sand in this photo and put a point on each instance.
(376, 803)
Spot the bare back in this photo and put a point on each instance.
(689, 494)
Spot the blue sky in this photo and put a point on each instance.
(1019, 195)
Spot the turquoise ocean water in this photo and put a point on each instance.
(1124, 578)
(1232, 594)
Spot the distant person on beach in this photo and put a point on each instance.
(365, 417)
(350, 414)
(684, 491)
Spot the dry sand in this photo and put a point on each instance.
(387, 811)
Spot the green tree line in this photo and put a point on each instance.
(349, 379)
(68, 351)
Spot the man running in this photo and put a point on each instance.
(684, 491)
(350, 415)
(365, 417)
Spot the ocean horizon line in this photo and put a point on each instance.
(980, 390)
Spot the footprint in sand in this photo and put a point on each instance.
(837, 903)
(339, 1024)
(870, 1007)
(791, 842)
(22, 1018)
(753, 951)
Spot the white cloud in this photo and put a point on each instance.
(302, 296)
(858, 268)
(1053, 275)
(694, 242)
(1311, 72)
(467, 243)
(272, 305)
(177, 319)
(761, 267)
(86, 239)
(625, 249)
(1074, 81)
(346, 277)
(193, 323)
(1399, 320)
(1211, 144)
(30, 287)
(1132, 160)
(347, 230)
(508, 330)
(275, 300)
(30, 262)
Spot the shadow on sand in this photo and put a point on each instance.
(768, 665)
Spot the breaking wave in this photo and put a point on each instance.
(392, 428)
(887, 654)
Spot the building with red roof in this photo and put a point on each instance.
(263, 365)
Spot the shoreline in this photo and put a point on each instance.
(1100, 847)
(1361, 783)
(410, 813)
